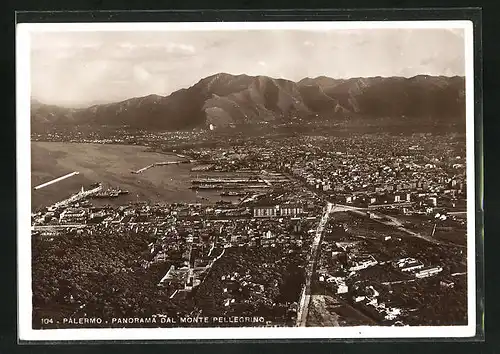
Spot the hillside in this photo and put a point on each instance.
(224, 99)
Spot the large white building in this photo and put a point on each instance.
(73, 215)
(428, 271)
(270, 211)
(362, 262)
(408, 264)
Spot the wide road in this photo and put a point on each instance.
(313, 256)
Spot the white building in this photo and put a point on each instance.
(363, 262)
(408, 264)
(428, 271)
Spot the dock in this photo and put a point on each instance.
(165, 163)
(57, 180)
(76, 197)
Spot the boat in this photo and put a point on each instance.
(231, 193)
(109, 193)
(104, 195)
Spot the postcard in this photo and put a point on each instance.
(253, 180)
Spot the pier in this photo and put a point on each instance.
(229, 186)
(159, 164)
(226, 180)
(76, 197)
(57, 180)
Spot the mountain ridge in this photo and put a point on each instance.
(224, 99)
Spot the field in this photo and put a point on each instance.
(329, 311)
(424, 225)
(457, 236)
(321, 313)
(110, 165)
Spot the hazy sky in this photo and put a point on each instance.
(82, 68)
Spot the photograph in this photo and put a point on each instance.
(245, 180)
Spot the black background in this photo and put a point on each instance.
(490, 59)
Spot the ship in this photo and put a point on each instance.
(109, 193)
(231, 193)
(105, 194)
(239, 186)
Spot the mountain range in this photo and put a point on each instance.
(225, 99)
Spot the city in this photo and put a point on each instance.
(279, 228)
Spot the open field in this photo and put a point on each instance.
(457, 236)
(321, 313)
(424, 225)
(329, 311)
(111, 165)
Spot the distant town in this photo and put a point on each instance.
(285, 229)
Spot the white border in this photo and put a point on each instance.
(26, 333)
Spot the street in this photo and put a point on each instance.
(306, 292)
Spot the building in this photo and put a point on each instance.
(73, 215)
(340, 285)
(362, 262)
(446, 283)
(266, 211)
(402, 197)
(432, 201)
(428, 271)
(160, 257)
(342, 289)
(270, 211)
(408, 265)
(290, 210)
